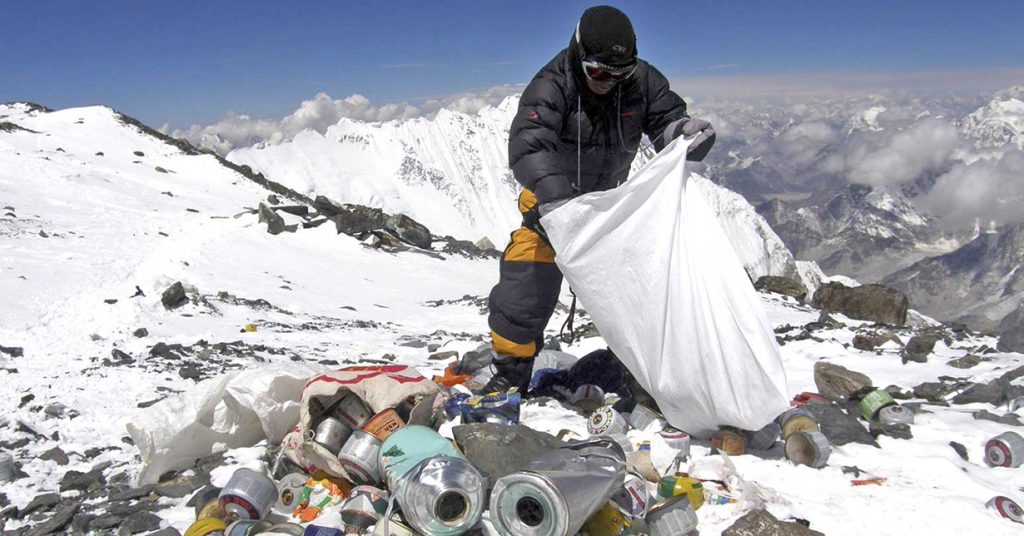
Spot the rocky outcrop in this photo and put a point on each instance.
(836, 382)
(781, 285)
(874, 302)
(1012, 331)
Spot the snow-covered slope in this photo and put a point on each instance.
(999, 123)
(80, 231)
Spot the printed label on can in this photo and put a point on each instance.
(233, 503)
(383, 424)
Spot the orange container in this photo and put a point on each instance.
(729, 442)
(383, 424)
(451, 379)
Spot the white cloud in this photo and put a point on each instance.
(985, 191)
(927, 146)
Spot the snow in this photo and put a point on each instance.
(111, 228)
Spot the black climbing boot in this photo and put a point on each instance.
(509, 372)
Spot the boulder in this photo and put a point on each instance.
(873, 302)
(484, 244)
(781, 285)
(965, 362)
(869, 341)
(41, 503)
(498, 449)
(920, 346)
(275, 223)
(895, 431)
(839, 426)
(762, 523)
(837, 382)
(1012, 331)
(993, 392)
(57, 522)
(174, 296)
(933, 391)
(409, 230)
(1009, 419)
(356, 219)
(76, 480)
(960, 450)
(139, 522)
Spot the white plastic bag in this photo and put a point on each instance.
(238, 409)
(652, 266)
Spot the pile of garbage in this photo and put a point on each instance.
(383, 450)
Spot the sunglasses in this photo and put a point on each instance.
(600, 72)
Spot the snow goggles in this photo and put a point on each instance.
(599, 72)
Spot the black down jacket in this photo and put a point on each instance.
(558, 114)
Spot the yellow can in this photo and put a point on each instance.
(204, 527)
(608, 521)
(211, 510)
(250, 328)
(682, 484)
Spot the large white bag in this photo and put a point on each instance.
(652, 266)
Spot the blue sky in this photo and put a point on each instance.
(186, 62)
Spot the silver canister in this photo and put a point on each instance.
(442, 496)
(895, 414)
(395, 526)
(286, 529)
(641, 417)
(6, 466)
(289, 489)
(331, 434)
(588, 397)
(359, 457)
(352, 411)
(248, 495)
(678, 440)
(1005, 450)
(606, 421)
(764, 438)
(247, 527)
(1007, 508)
(633, 497)
(808, 448)
(672, 517)
(559, 490)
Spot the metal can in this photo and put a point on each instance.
(608, 521)
(808, 448)
(359, 457)
(331, 434)
(207, 503)
(764, 438)
(393, 526)
(383, 424)
(678, 440)
(673, 517)
(873, 402)
(317, 530)
(247, 527)
(633, 497)
(248, 495)
(587, 397)
(641, 417)
(1005, 450)
(352, 411)
(682, 484)
(364, 507)
(289, 489)
(797, 420)
(895, 414)
(1007, 508)
(606, 421)
(729, 441)
(206, 527)
(286, 529)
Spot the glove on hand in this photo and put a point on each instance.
(699, 129)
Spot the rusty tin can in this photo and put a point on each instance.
(729, 441)
(384, 424)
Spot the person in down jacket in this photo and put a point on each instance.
(577, 130)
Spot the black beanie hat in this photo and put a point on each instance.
(606, 35)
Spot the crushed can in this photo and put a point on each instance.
(1005, 450)
(873, 402)
(633, 497)
(672, 517)
(364, 507)
(797, 420)
(587, 397)
(559, 491)
(1007, 508)
(206, 527)
(765, 438)
(895, 414)
(248, 495)
(605, 421)
(808, 448)
(383, 424)
(641, 417)
(729, 441)
(682, 484)
(608, 521)
(359, 458)
(331, 434)
(286, 529)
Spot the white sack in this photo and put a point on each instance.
(652, 266)
(238, 409)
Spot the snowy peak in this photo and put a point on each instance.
(999, 123)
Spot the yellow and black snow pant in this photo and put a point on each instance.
(527, 291)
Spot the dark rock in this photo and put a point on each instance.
(141, 332)
(275, 223)
(960, 450)
(174, 296)
(190, 372)
(965, 362)
(414, 344)
(356, 219)
(1012, 375)
(160, 170)
(498, 449)
(1009, 419)
(837, 382)
(131, 494)
(442, 356)
(169, 531)
(105, 522)
(839, 426)
(409, 230)
(485, 244)
(314, 223)
(56, 455)
(869, 341)
(913, 358)
(993, 392)
(781, 285)
(933, 391)
(1011, 329)
(895, 431)
(920, 346)
(139, 153)
(295, 210)
(898, 392)
(13, 351)
(273, 199)
(872, 302)
(179, 487)
(55, 410)
(762, 523)
(41, 503)
(433, 347)
(80, 523)
(139, 522)
(57, 522)
(15, 445)
(125, 509)
(76, 480)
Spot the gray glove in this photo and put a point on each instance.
(701, 131)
